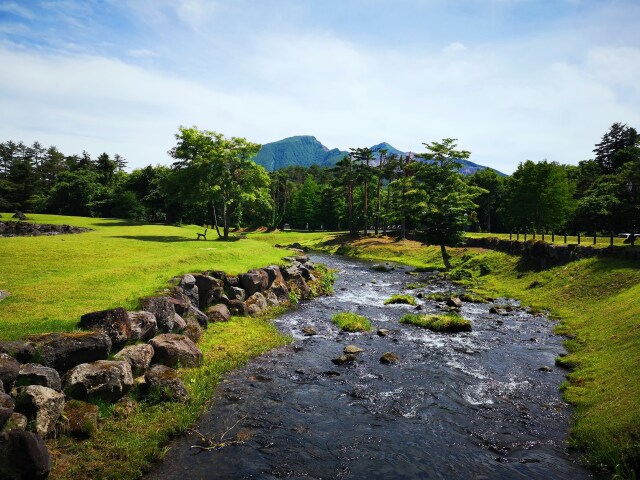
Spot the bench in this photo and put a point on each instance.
(203, 235)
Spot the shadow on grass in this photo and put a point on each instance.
(128, 223)
(158, 238)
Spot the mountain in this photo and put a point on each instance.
(306, 150)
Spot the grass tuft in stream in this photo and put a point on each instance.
(401, 299)
(446, 322)
(351, 322)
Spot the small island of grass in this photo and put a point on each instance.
(352, 322)
(402, 299)
(447, 322)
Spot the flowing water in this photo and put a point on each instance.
(468, 405)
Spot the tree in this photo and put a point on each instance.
(219, 172)
(489, 201)
(344, 171)
(539, 195)
(610, 152)
(362, 158)
(448, 198)
(306, 202)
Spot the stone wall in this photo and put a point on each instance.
(544, 254)
(28, 229)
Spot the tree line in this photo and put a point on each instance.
(213, 181)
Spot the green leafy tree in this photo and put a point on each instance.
(448, 198)
(488, 202)
(611, 152)
(539, 195)
(306, 203)
(218, 171)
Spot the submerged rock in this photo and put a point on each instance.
(389, 358)
(352, 349)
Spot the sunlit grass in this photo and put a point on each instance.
(446, 322)
(351, 322)
(398, 298)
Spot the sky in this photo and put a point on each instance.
(512, 80)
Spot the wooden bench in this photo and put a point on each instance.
(203, 235)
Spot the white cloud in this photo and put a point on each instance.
(19, 10)
(141, 53)
(455, 47)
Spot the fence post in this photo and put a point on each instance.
(565, 237)
(534, 233)
(553, 237)
(510, 234)
(518, 234)
(578, 238)
(525, 234)
(595, 236)
(543, 235)
(611, 240)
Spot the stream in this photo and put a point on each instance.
(457, 406)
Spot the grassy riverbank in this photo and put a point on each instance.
(597, 301)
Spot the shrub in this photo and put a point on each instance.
(352, 322)
(448, 322)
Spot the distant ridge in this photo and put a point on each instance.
(306, 150)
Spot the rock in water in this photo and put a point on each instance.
(352, 349)
(389, 357)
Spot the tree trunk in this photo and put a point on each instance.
(378, 210)
(225, 217)
(386, 210)
(212, 207)
(366, 205)
(403, 232)
(350, 203)
(445, 257)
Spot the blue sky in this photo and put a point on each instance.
(511, 79)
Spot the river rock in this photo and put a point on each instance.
(389, 357)
(143, 325)
(206, 285)
(309, 331)
(299, 285)
(163, 310)
(219, 313)
(105, 379)
(302, 258)
(22, 351)
(9, 369)
(343, 359)
(63, 351)
(137, 356)
(81, 418)
(36, 374)
(198, 315)
(498, 311)
(454, 302)
(545, 368)
(16, 421)
(352, 349)
(23, 455)
(165, 384)
(6, 408)
(41, 405)
(254, 281)
(382, 332)
(281, 291)
(173, 350)
(256, 304)
(306, 273)
(114, 322)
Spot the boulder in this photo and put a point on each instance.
(114, 322)
(16, 421)
(23, 455)
(254, 281)
(6, 408)
(237, 307)
(190, 289)
(41, 405)
(193, 330)
(290, 271)
(272, 298)
(237, 293)
(454, 302)
(198, 315)
(232, 281)
(218, 274)
(9, 369)
(164, 384)
(309, 331)
(173, 350)
(498, 311)
(302, 258)
(181, 302)
(256, 304)
(306, 273)
(36, 374)
(179, 323)
(219, 313)
(389, 357)
(81, 418)
(343, 359)
(281, 291)
(107, 380)
(137, 356)
(63, 351)
(19, 216)
(22, 351)
(298, 284)
(163, 310)
(206, 285)
(143, 325)
(273, 275)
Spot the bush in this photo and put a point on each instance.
(352, 322)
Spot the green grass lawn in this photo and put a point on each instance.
(585, 240)
(53, 280)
